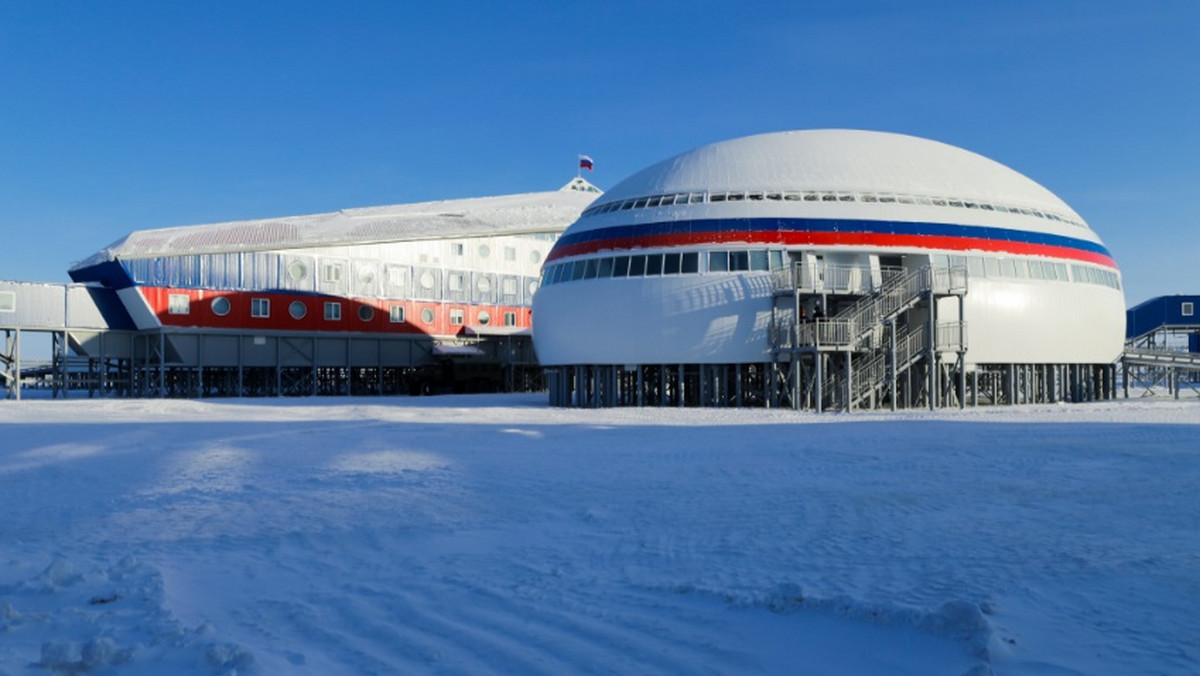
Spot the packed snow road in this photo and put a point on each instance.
(489, 534)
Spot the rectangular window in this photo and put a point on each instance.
(718, 261)
(671, 264)
(333, 311)
(975, 266)
(1186, 309)
(606, 265)
(776, 260)
(332, 272)
(758, 260)
(8, 301)
(654, 264)
(510, 319)
(510, 286)
(260, 307)
(396, 276)
(455, 281)
(396, 314)
(179, 304)
(637, 266)
(457, 248)
(456, 316)
(739, 260)
(589, 272)
(510, 253)
(577, 271)
(621, 266)
(690, 264)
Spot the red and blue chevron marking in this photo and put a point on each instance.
(831, 232)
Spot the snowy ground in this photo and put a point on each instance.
(489, 534)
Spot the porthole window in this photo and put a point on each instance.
(427, 315)
(484, 318)
(366, 313)
(366, 274)
(297, 309)
(297, 270)
(484, 251)
(535, 256)
(532, 287)
(427, 280)
(221, 306)
(483, 284)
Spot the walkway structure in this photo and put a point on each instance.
(92, 339)
(97, 351)
(1163, 346)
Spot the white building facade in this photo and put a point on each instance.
(763, 270)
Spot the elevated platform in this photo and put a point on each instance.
(97, 351)
(1162, 346)
(1178, 313)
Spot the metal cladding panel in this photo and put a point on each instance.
(220, 351)
(259, 351)
(694, 319)
(93, 308)
(364, 352)
(365, 279)
(1162, 311)
(404, 352)
(1040, 322)
(111, 274)
(296, 350)
(723, 318)
(35, 306)
(107, 303)
(103, 345)
(331, 352)
(184, 347)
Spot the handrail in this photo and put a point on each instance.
(952, 335)
(832, 278)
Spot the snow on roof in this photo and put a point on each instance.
(538, 212)
(840, 160)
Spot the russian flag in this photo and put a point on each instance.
(585, 162)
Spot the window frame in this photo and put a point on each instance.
(260, 308)
(176, 307)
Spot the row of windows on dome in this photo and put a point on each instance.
(260, 308)
(653, 265)
(822, 196)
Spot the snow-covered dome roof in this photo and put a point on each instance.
(843, 160)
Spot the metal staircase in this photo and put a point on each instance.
(855, 357)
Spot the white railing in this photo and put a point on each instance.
(952, 336)
(952, 280)
(825, 332)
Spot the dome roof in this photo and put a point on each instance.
(841, 160)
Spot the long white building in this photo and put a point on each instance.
(935, 275)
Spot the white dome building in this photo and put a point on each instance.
(935, 276)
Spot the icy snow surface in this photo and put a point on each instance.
(490, 534)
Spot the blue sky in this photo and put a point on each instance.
(122, 115)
